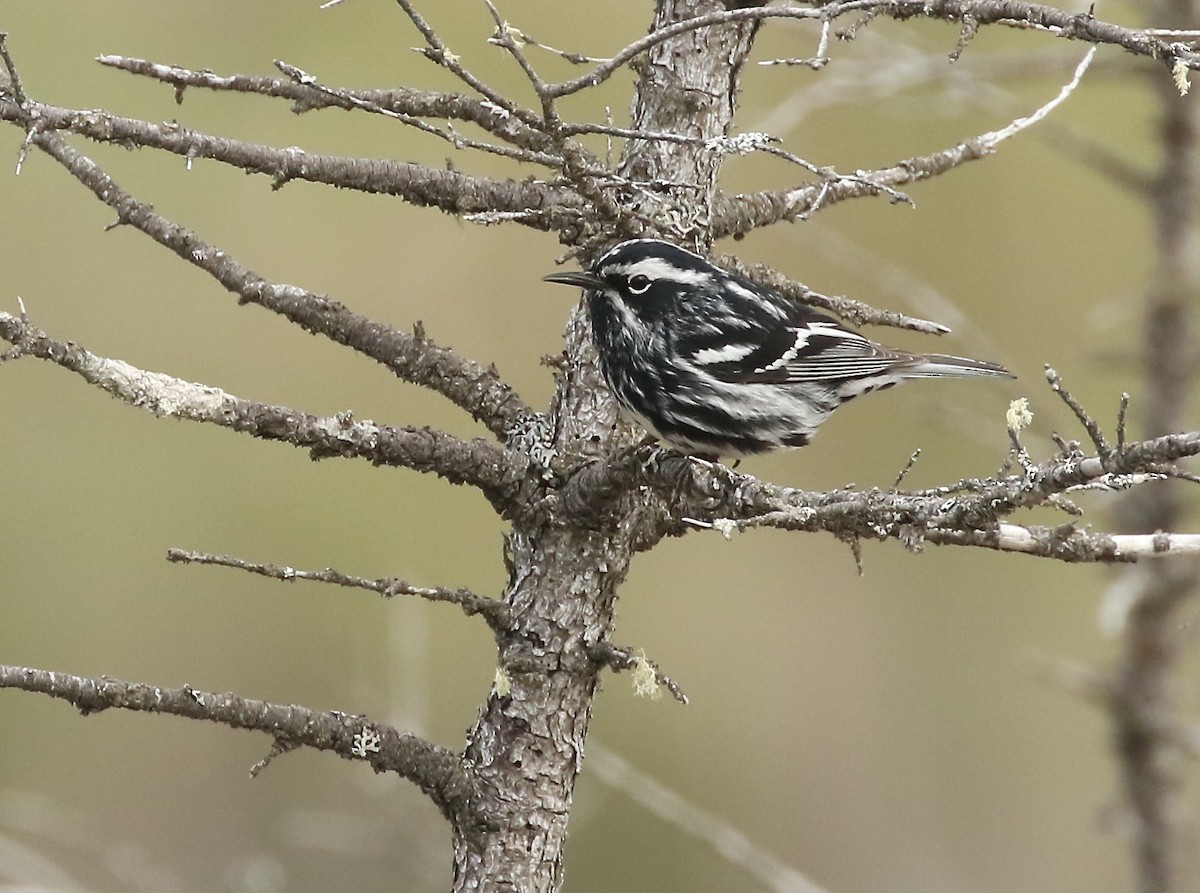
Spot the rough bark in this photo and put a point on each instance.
(527, 747)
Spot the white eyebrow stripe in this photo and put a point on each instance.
(656, 269)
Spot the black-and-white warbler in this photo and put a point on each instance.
(717, 365)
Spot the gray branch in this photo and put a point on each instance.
(495, 470)
(435, 770)
(543, 206)
(494, 612)
(412, 358)
(308, 97)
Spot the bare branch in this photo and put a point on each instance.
(1068, 543)
(493, 469)
(617, 658)
(455, 139)
(820, 59)
(435, 770)
(448, 191)
(1103, 447)
(971, 513)
(401, 101)
(1010, 13)
(437, 51)
(739, 214)
(14, 77)
(506, 37)
(582, 169)
(468, 385)
(494, 612)
(995, 137)
(574, 58)
(611, 66)
(1071, 543)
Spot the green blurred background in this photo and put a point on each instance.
(876, 732)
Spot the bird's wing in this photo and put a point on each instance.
(817, 349)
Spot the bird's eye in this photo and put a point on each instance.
(639, 285)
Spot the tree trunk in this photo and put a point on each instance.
(527, 746)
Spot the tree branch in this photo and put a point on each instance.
(307, 97)
(707, 495)
(647, 675)
(494, 612)
(437, 771)
(437, 51)
(739, 214)
(493, 469)
(412, 358)
(546, 207)
(1071, 543)
(1011, 13)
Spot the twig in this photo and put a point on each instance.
(573, 58)
(995, 137)
(406, 101)
(739, 214)
(983, 12)
(347, 98)
(279, 747)
(970, 513)
(14, 78)
(1121, 413)
(494, 612)
(437, 51)
(817, 61)
(17, 91)
(1103, 447)
(506, 37)
(850, 32)
(908, 466)
(450, 191)
(616, 658)
(1060, 543)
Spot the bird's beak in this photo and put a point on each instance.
(580, 278)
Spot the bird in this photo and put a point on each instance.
(714, 364)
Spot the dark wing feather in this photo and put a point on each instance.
(837, 353)
(818, 349)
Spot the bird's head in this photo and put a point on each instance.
(645, 275)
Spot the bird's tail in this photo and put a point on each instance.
(940, 365)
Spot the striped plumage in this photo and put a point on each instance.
(717, 365)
